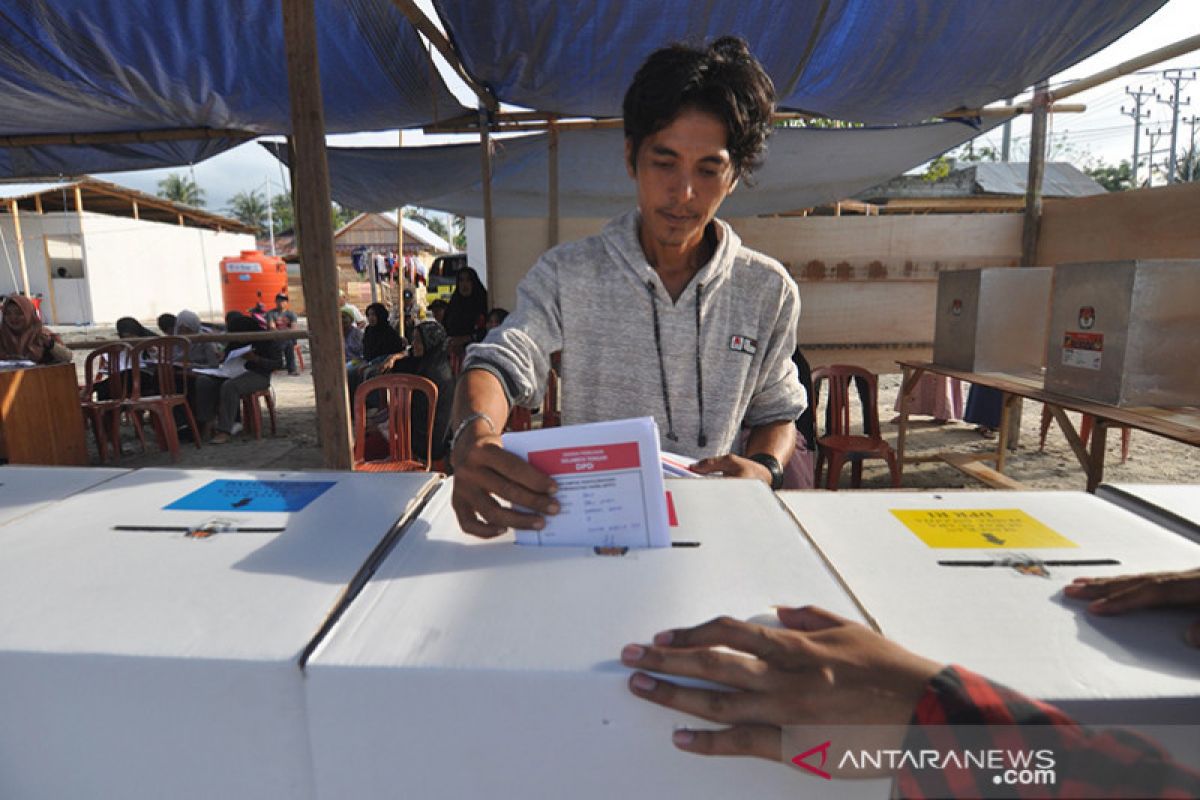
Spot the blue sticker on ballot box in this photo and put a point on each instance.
(232, 495)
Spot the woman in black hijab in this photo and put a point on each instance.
(467, 312)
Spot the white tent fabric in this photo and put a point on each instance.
(803, 167)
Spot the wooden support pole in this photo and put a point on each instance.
(15, 211)
(1033, 184)
(41, 211)
(552, 170)
(485, 162)
(315, 232)
(136, 212)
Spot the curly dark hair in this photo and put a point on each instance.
(722, 79)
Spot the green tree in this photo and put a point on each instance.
(283, 212)
(250, 208)
(179, 188)
(1187, 165)
(459, 225)
(342, 215)
(1117, 178)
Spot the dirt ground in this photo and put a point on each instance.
(1152, 459)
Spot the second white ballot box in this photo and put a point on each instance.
(976, 579)
(152, 628)
(26, 490)
(1176, 507)
(472, 668)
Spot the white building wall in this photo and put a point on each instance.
(142, 269)
(69, 297)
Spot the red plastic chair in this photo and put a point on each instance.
(252, 412)
(398, 392)
(839, 444)
(168, 359)
(103, 367)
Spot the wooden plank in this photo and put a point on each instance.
(1077, 445)
(15, 211)
(971, 465)
(1146, 223)
(40, 421)
(315, 234)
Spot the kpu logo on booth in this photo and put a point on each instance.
(1087, 317)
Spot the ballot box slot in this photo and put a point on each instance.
(368, 568)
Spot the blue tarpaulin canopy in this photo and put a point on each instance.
(803, 167)
(874, 61)
(95, 66)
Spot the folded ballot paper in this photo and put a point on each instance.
(610, 483)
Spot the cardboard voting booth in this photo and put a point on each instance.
(992, 320)
(1126, 333)
(472, 668)
(919, 565)
(1174, 507)
(153, 627)
(26, 490)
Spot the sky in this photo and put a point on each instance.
(1101, 133)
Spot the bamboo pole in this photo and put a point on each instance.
(15, 211)
(435, 36)
(485, 160)
(318, 264)
(552, 174)
(123, 137)
(1033, 184)
(289, 334)
(1180, 48)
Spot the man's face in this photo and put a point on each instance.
(683, 174)
(281, 305)
(14, 317)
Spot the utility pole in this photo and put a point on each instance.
(1138, 115)
(1177, 78)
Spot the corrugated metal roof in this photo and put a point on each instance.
(16, 191)
(1060, 180)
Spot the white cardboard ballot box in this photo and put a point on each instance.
(472, 668)
(25, 489)
(1175, 507)
(138, 661)
(1011, 625)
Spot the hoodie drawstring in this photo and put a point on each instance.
(702, 437)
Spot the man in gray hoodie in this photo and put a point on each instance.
(664, 314)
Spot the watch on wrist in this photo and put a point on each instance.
(773, 466)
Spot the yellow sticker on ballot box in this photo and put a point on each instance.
(982, 528)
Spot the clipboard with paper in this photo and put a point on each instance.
(233, 365)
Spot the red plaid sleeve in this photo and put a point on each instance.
(961, 710)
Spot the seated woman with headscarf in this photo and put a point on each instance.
(200, 354)
(222, 397)
(379, 340)
(24, 338)
(429, 358)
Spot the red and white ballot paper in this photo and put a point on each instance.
(610, 483)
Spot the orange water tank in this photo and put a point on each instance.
(251, 278)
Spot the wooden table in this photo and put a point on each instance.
(1179, 423)
(40, 420)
